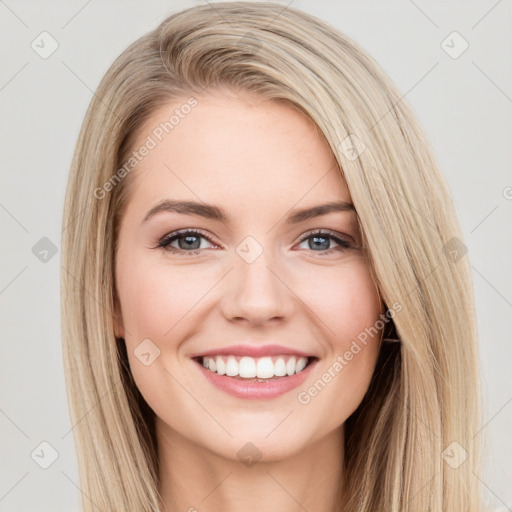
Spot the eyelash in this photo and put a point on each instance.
(165, 242)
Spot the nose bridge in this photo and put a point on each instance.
(256, 292)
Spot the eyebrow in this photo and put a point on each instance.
(216, 213)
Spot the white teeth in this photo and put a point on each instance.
(221, 366)
(264, 368)
(280, 367)
(247, 368)
(290, 366)
(231, 367)
(301, 364)
(250, 367)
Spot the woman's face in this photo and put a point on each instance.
(257, 277)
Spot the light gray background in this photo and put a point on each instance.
(465, 105)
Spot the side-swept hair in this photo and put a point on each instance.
(424, 396)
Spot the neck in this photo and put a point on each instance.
(195, 479)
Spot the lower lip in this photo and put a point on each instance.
(257, 390)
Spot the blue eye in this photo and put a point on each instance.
(189, 242)
(187, 239)
(322, 239)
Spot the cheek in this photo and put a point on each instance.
(346, 301)
(350, 313)
(157, 304)
(156, 299)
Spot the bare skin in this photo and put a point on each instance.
(259, 161)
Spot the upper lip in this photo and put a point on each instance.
(253, 351)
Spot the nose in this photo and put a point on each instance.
(256, 292)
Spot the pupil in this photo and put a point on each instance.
(190, 242)
(326, 242)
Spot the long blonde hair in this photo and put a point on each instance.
(422, 408)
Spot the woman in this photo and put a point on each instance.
(265, 305)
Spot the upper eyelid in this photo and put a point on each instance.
(321, 231)
(181, 232)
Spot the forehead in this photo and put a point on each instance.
(235, 149)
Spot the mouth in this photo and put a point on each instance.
(251, 369)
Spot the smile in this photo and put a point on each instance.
(249, 367)
(255, 378)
